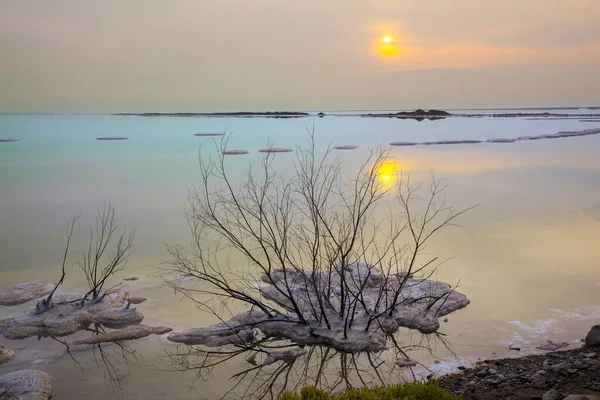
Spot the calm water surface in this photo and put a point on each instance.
(528, 259)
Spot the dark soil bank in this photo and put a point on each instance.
(569, 372)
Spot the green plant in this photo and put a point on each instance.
(405, 391)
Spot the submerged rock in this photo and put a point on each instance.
(287, 356)
(26, 384)
(24, 292)
(5, 354)
(235, 152)
(129, 333)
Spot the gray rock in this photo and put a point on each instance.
(26, 385)
(24, 292)
(5, 354)
(405, 362)
(593, 336)
(128, 333)
(287, 356)
(551, 346)
(553, 394)
(582, 397)
(118, 317)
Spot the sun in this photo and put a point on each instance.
(387, 39)
(387, 46)
(388, 171)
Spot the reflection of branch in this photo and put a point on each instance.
(323, 367)
(64, 343)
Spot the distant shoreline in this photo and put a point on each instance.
(306, 113)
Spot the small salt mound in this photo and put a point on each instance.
(403, 144)
(209, 134)
(346, 147)
(235, 152)
(276, 150)
(5, 140)
(112, 138)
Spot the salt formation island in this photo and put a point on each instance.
(310, 304)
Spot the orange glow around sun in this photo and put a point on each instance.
(388, 46)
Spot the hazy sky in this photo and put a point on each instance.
(208, 55)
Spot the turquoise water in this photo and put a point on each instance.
(528, 261)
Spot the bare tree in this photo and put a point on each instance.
(329, 259)
(98, 263)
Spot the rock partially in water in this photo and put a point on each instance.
(235, 152)
(234, 331)
(67, 315)
(421, 303)
(593, 336)
(346, 147)
(5, 324)
(131, 278)
(276, 150)
(209, 134)
(137, 299)
(129, 333)
(287, 356)
(112, 138)
(5, 354)
(24, 292)
(7, 140)
(118, 317)
(551, 346)
(26, 384)
(502, 140)
(403, 143)
(405, 362)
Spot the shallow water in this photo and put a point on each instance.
(527, 259)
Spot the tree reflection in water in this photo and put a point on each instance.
(323, 367)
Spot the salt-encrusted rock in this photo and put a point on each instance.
(551, 346)
(593, 336)
(129, 333)
(235, 152)
(24, 292)
(420, 303)
(405, 362)
(137, 299)
(5, 354)
(26, 385)
(234, 331)
(276, 150)
(68, 315)
(131, 278)
(287, 356)
(118, 317)
(5, 324)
